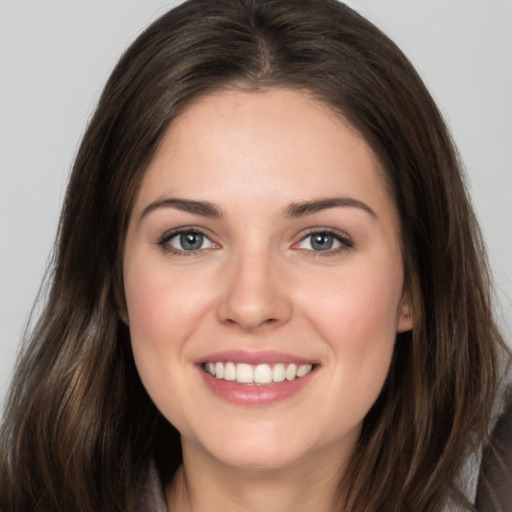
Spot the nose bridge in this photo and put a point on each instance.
(252, 295)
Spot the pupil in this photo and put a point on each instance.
(322, 242)
(191, 241)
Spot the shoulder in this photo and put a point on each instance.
(494, 492)
(150, 494)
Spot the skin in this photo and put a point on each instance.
(258, 284)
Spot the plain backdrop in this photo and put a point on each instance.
(55, 55)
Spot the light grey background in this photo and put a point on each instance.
(55, 56)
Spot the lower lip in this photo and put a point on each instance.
(252, 394)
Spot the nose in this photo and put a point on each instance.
(255, 294)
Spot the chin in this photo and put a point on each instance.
(271, 458)
(254, 446)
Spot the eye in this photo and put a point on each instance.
(324, 241)
(185, 241)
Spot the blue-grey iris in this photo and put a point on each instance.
(191, 241)
(322, 241)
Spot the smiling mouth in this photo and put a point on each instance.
(260, 374)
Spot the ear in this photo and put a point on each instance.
(123, 315)
(120, 302)
(122, 309)
(405, 319)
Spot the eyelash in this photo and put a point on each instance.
(345, 242)
(164, 241)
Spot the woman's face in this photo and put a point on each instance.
(264, 279)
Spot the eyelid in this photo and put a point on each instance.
(345, 241)
(164, 239)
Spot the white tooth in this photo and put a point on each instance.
(291, 371)
(263, 374)
(303, 370)
(219, 370)
(244, 373)
(278, 373)
(230, 371)
(210, 368)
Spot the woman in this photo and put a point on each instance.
(252, 303)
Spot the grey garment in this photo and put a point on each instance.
(151, 493)
(494, 493)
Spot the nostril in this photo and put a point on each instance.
(248, 325)
(253, 303)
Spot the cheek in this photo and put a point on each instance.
(147, 321)
(356, 313)
(163, 308)
(148, 315)
(364, 300)
(162, 305)
(159, 316)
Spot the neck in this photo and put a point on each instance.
(203, 484)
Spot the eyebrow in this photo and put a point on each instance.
(204, 208)
(293, 210)
(303, 208)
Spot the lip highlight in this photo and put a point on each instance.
(254, 358)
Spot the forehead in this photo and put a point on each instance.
(258, 143)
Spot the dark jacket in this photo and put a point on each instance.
(494, 492)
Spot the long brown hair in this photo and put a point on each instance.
(79, 426)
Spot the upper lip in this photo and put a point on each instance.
(254, 357)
